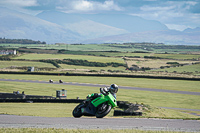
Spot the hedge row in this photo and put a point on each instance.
(53, 62)
(82, 63)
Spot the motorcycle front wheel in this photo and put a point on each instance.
(103, 110)
(77, 111)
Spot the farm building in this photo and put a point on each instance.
(6, 52)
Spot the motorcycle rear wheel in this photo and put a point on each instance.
(103, 110)
(77, 111)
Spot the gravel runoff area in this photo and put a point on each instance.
(13, 121)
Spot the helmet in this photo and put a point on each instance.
(113, 88)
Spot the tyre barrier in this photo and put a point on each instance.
(126, 113)
(129, 109)
(128, 106)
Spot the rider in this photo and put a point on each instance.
(113, 89)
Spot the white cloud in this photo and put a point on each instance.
(147, 8)
(175, 14)
(110, 5)
(85, 6)
(20, 3)
(178, 27)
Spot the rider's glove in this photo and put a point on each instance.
(88, 96)
(105, 89)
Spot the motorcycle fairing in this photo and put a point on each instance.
(89, 110)
(109, 97)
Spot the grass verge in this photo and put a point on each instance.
(65, 110)
(180, 85)
(55, 130)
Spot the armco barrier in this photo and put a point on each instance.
(13, 97)
(42, 100)
(22, 96)
(10, 96)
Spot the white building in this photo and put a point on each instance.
(6, 52)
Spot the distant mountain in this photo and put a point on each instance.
(171, 37)
(114, 23)
(85, 27)
(128, 22)
(195, 30)
(58, 27)
(18, 25)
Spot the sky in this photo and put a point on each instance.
(175, 14)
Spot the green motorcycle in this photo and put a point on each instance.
(98, 107)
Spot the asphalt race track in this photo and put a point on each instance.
(98, 85)
(12, 121)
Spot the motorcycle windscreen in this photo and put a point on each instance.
(112, 100)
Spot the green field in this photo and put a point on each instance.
(71, 47)
(65, 67)
(187, 68)
(178, 56)
(140, 62)
(133, 54)
(153, 48)
(5, 64)
(157, 63)
(150, 58)
(64, 56)
(104, 53)
(120, 53)
(154, 64)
